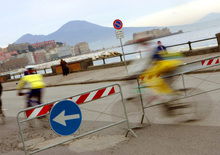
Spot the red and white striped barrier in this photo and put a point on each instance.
(80, 99)
(210, 62)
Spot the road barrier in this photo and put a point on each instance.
(81, 99)
(183, 69)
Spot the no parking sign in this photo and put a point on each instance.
(117, 24)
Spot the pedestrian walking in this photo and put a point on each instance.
(64, 66)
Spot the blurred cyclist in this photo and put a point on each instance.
(36, 84)
(161, 63)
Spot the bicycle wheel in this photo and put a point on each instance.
(195, 106)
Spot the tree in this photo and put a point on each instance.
(31, 48)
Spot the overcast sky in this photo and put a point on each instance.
(19, 17)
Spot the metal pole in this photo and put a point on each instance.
(21, 134)
(103, 61)
(121, 58)
(183, 84)
(142, 104)
(190, 47)
(140, 54)
(125, 113)
(123, 55)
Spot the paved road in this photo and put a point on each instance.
(190, 136)
(13, 103)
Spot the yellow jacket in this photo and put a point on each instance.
(152, 76)
(34, 80)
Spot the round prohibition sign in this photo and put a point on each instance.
(117, 24)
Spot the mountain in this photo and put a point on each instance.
(79, 31)
(209, 17)
(209, 21)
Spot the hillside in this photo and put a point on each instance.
(77, 31)
(209, 17)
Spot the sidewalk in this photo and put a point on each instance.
(152, 140)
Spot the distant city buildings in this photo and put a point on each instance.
(7, 55)
(81, 48)
(20, 48)
(39, 56)
(19, 55)
(44, 44)
(64, 51)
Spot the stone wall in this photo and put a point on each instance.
(201, 51)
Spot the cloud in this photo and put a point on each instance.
(182, 14)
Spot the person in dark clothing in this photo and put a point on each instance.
(161, 47)
(64, 66)
(2, 116)
(158, 51)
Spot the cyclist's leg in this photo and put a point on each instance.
(28, 99)
(38, 96)
(34, 97)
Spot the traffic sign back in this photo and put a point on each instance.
(65, 118)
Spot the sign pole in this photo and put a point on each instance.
(122, 49)
(119, 35)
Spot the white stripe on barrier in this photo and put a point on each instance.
(91, 95)
(108, 89)
(35, 112)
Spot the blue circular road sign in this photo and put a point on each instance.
(117, 24)
(65, 118)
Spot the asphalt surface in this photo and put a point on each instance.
(166, 135)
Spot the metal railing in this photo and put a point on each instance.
(189, 43)
(121, 56)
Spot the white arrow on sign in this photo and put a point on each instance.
(61, 118)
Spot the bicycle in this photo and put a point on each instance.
(186, 102)
(31, 102)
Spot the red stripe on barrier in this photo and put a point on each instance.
(82, 98)
(29, 112)
(210, 61)
(45, 109)
(99, 93)
(112, 91)
(217, 62)
(203, 61)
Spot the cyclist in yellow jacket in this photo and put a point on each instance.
(36, 84)
(162, 63)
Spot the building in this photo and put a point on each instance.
(44, 44)
(54, 57)
(81, 48)
(13, 63)
(39, 56)
(155, 33)
(4, 56)
(64, 51)
(18, 47)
